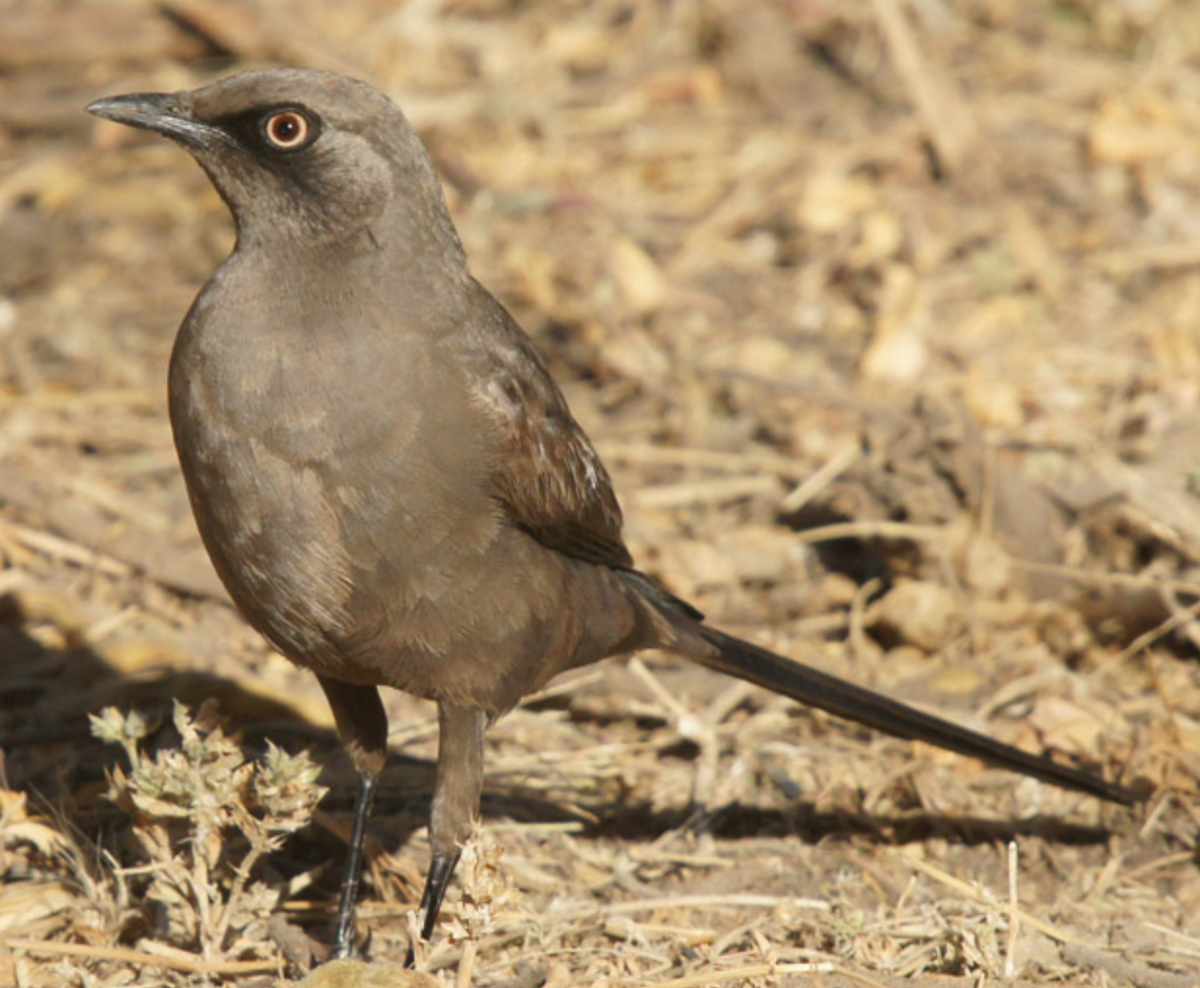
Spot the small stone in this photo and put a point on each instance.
(360, 974)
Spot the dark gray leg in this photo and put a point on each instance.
(456, 795)
(362, 726)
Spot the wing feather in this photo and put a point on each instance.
(546, 474)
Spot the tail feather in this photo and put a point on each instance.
(818, 689)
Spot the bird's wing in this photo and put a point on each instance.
(546, 474)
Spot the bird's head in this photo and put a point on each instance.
(302, 157)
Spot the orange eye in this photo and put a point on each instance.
(287, 130)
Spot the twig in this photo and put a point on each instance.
(872, 530)
(933, 94)
(705, 492)
(1133, 260)
(560, 687)
(1184, 615)
(972, 893)
(1159, 928)
(537, 827)
(706, 459)
(1148, 638)
(82, 401)
(82, 524)
(1089, 578)
(833, 468)
(702, 978)
(1136, 974)
(1166, 861)
(691, 728)
(1014, 915)
(124, 955)
(857, 635)
(737, 901)
(466, 965)
(66, 550)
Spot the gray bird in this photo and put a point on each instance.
(388, 481)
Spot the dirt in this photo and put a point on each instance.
(886, 320)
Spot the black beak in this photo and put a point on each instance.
(164, 113)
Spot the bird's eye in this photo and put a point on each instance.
(288, 130)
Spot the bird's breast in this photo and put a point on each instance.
(314, 467)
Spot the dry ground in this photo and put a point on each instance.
(927, 272)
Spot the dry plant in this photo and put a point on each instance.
(486, 890)
(204, 817)
(19, 827)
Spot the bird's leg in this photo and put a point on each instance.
(343, 934)
(441, 870)
(362, 726)
(456, 795)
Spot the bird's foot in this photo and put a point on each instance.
(344, 946)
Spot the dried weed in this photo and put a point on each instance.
(203, 818)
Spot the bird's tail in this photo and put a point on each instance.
(689, 636)
(818, 689)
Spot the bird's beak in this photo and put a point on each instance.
(164, 113)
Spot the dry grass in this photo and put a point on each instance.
(886, 318)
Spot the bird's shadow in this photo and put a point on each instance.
(47, 690)
(405, 797)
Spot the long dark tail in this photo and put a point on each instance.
(757, 665)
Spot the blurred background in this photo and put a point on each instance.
(885, 317)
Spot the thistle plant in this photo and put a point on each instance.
(204, 818)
